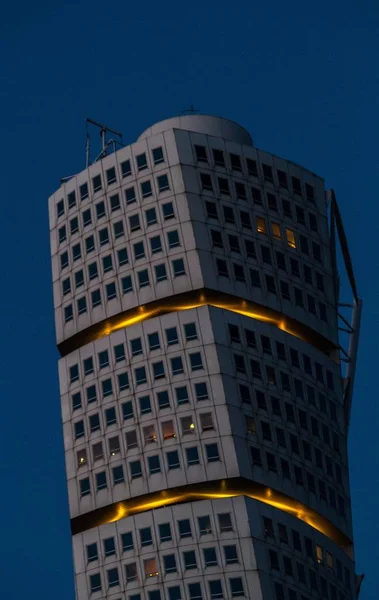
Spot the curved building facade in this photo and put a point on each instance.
(203, 403)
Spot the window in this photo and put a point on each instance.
(211, 210)
(276, 233)
(235, 162)
(109, 546)
(201, 153)
(222, 268)
(96, 183)
(110, 416)
(201, 391)
(234, 243)
(206, 181)
(212, 453)
(151, 216)
(92, 553)
(187, 425)
(103, 236)
(189, 559)
(83, 191)
(143, 278)
(245, 219)
(267, 172)
(160, 272)
(153, 340)
(240, 190)
(206, 421)
(100, 209)
(118, 229)
(173, 593)
(252, 167)
(158, 370)
(261, 225)
(178, 267)
(92, 271)
(194, 590)
(218, 157)
(168, 211)
(215, 589)
(230, 553)
(107, 263)
(154, 464)
(140, 375)
(77, 251)
(86, 216)
(95, 582)
(146, 190)
(290, 238)
(196, 361)
(85, 487)
(228, 214)
(181, 395)
(274, 560)
(68, 313)
(184, 527)
(62, 234)
(271, 199)
(126, 283)
(192, 455)
(223, 185)
(144, 404)
(64, 260)
(131, 572)
(163, 183)
(177, 365)
(257, 196)
(110, 289)
(169, 563)
(135, 469)
(165, 532)
(168, 431)
(139, 250)
(236, 587)
(155, 244)
(60, 208)
(125, 168)
(131, 439)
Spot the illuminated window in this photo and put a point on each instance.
(81, 457)
(187, 425)
(261, 225)
(168, 431)
(149, 434)
(276, 231)
(150, 567)
(290, 238)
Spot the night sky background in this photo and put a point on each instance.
(302, 77)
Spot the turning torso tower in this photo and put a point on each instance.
(205, 401)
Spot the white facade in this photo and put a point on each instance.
(196, 317)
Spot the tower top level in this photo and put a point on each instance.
(205, 124)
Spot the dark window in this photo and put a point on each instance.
(83, 191)
(296, 185)
(163, 183)
(130, 195)
(125, 168)
(206, 181)
(158, 155)
(223, 185)
(211, 210)
(267, 172)
(96, 183)
(141, 161)
(282, 178)
(235, 162)
(146, 190)
(168, 211)
(218, 157)
(201, 154)
(252, 167)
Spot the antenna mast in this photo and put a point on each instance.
(104, 143)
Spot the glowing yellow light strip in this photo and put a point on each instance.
(213, 490)
(197, 299)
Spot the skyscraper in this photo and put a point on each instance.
(204, 401)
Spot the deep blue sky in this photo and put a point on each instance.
(300, 76)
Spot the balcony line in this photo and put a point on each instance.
(212, 490)
(196, 299)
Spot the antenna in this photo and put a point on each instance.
(104, 143)
(191, 110)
